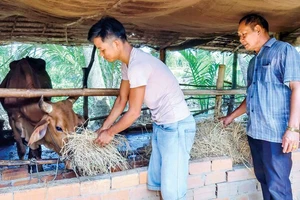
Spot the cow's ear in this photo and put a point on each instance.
(38, 133)
(81, 120)
(73, 99)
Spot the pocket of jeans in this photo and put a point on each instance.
(189, 138)
(172, 127)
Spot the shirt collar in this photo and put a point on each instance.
(270, 42)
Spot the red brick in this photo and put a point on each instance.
(63, 191)
(89, 197)
(6, 196)
(143, 177)
(138, 163)
(221, 164)
(116, 195)
(215, 177)
(12, 174)
(141, 192)
(199, 167)
(127, 180)
(296, 193)
(255, 196)
(95, 186)
(190, 195)
(195, 181)
(239, 174)
(295, 177)
(243, 197)
(115, 169)
(227, 189)
(4, 185)
(206, 192)
(296, 156)
(296, 166)
(248, 186)
(70, 174)
(32, 194)
(48, 178)
(26, 182)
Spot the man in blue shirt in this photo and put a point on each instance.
(272, 105)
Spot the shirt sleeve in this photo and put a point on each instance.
(291, 64)
(124, 71)
(139, 75)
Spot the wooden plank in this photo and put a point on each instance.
(25, 93)
(26, 162)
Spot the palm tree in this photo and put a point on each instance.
(202, 72)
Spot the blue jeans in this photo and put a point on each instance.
(272, 169)
(169, 161)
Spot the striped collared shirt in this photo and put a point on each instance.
(268, 92)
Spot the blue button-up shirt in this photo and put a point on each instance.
(268, 92)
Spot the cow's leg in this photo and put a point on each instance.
(37, 154)
(21, 148)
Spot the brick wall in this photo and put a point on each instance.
(210, 178)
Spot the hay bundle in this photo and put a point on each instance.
(212, 139)
(88, 158)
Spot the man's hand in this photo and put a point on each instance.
(290, 141)
(226, 120)
(104, 137)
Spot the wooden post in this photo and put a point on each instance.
(86, 72)
(220, 83)
(162, 55)
(277, 36)
(234, 82)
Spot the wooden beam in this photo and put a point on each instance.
(162, 55)
(86, 72)
(25, 93)
(220, 84)
(27, 162)
(189, 44)
(234, 82)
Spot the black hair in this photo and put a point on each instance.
(106, 27)
(255, 19)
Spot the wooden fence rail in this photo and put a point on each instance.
(26, 93)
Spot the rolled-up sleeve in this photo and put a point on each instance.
(291, 63)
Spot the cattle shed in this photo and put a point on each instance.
(208, 24)
(162, 25)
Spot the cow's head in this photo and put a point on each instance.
(58, 121)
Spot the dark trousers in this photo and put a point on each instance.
(272, 169)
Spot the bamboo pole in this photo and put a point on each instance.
(86, 72)
(234, 82)
(26, 93)
(162, 55)
(220, 83)
(26, 162)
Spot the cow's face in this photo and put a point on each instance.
(59, 120)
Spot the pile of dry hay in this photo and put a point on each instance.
(88, 158)
(212, 139)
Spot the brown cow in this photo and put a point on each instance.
(58, 121)
(33, 120)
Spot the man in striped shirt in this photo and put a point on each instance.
(272, 105)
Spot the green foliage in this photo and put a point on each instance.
(202, 72)
(202, 67)
(111, 73)
(62, 63)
